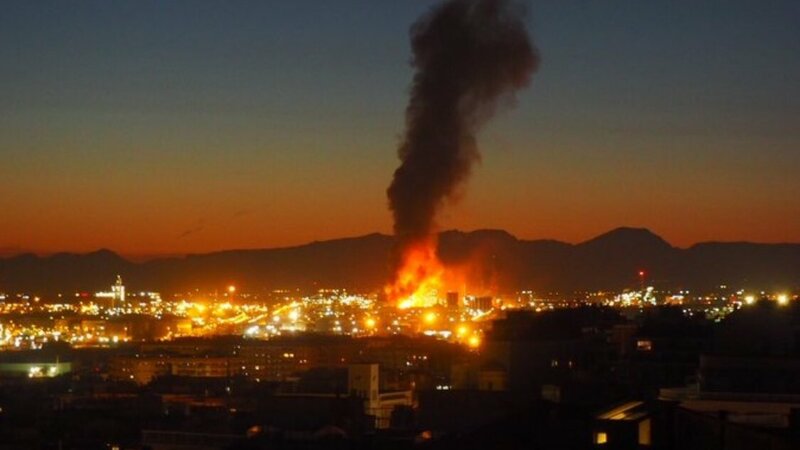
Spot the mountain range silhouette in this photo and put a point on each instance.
(495, 260)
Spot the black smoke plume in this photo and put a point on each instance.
(469, 55)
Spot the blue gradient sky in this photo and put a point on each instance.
(169, 127)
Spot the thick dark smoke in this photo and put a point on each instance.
(469, 55)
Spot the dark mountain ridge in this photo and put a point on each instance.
(494, 259)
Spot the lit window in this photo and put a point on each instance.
(644, 345)
(644, 433)
(600, 437)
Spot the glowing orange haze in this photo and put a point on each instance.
(421, 278)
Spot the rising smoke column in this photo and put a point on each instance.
(468, 56)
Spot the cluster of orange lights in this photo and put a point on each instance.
(466, 335)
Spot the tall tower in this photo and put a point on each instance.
(118, 289)
(452, 300)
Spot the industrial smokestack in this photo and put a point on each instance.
(468, 56)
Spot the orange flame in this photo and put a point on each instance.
(423, 281)
(420, 278)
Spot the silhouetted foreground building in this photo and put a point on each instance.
(573, 378)
(748, 395)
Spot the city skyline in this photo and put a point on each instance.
(155, 128)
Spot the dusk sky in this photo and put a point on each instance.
(172, 127)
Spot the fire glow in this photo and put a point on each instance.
(423, 280)
(419, 279)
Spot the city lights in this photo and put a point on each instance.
(106, 321)
(430, 317)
